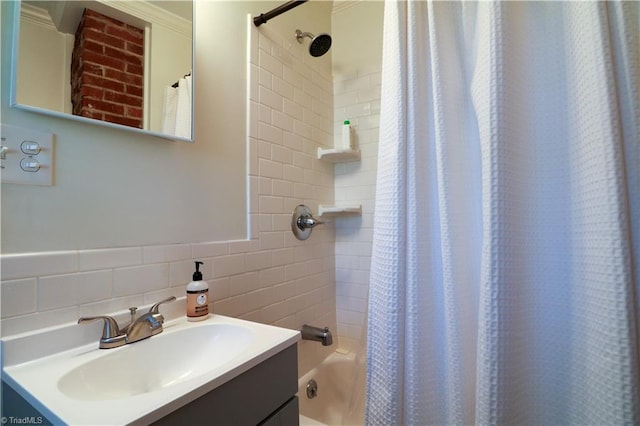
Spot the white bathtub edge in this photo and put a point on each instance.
(306, 421)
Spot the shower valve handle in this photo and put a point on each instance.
(308, 222)
(302, 222)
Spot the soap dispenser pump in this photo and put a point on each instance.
(197, 297)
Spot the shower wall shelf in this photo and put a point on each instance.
(352, 210)
(336, 155)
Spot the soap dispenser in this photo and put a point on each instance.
(197, 297)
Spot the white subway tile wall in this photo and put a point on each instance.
(272, 278)
(357, 99)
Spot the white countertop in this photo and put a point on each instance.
(36, 380)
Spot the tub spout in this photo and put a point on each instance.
(317, 334)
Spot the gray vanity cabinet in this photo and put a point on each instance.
(14, 409)
(263, 395)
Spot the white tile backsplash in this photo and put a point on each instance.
(282, 88)
(282, 154)
(271, 169)
(270, 99)
(296, 143)
(202, 250)
(271, 276)
(36, 264)
(228, 265)
(259, 260)
(91, 260)
(60, 291)
(241, 246)
(33, 321)
(269, 63)
(292, 109)
(166, 253)
(140, 279)
(270, 133)
(18, 297)
(282, 188)
(271, 240)
(246, 283)
(264, 77)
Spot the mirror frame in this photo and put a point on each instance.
(13, 103)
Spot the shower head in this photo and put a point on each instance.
(319, 45)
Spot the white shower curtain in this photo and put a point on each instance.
(506, 252)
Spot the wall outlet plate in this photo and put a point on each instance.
(27, 156)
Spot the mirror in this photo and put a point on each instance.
(123, 64)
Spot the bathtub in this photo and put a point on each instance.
(340, 392)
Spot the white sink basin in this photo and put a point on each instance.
(141, 382)
(157, 362)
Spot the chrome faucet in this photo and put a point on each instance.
(317, 334)
(147, 325)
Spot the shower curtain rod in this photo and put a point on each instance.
(264, 17)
